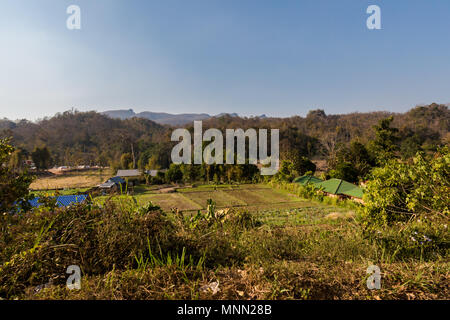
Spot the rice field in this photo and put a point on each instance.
(252, 197)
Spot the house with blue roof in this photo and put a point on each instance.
(114, 183)
(62, 201)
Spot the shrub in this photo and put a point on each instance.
(407, 206)
(345, 171)
(13, 185)
(41, 244)
(402, 191)
(417, 240)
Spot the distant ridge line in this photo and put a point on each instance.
(163, 117)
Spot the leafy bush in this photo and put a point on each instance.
(39, 245)
(407, 207)
(402, 191)
(311, 192)
(13, 185)
(345, 171)
(417, 240)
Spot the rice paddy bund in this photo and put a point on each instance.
(252, 197)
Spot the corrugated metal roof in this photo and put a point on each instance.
(62, 201)
(339, 186)
(356, 192)
(129, 173)
(107, 184)
(329, 186)
(34, 202)
(304, 180)
(153, 173)
(117, 180)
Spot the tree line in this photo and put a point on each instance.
(351, 144)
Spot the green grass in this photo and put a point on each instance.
(276, 246)
(171, 200)
(310, 214)
(63, 192)
(221, 198)
(167, 201)
(254, 197)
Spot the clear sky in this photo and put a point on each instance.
(252, 57)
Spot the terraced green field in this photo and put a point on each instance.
(254, 197)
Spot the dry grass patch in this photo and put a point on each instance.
(169, 201)
(72, 179)
(221, 198)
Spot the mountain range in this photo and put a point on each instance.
(165, 118)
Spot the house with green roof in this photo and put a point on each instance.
(340, 187)
(307, 179)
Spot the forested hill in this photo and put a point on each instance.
(320, 136)
(92, 138)
(162, 117)
(85, 137)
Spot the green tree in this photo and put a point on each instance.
(401, 191)
(153, 163)
(17, 159)
(41, 158)
(286, 171)
(385, 143)
(345, 171)
(174, 173)
(354, 162)
(410, 146)
(141, 162)
(13, 185)
(126, 161)
(190, 172)
(303, 165)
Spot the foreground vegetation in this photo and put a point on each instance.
(126, 251)
(306, 246)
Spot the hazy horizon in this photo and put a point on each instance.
(215, 114)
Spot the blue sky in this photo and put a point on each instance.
(273, 57)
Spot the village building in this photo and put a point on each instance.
(132, 173)
(341, 189)
(335, 188)
(113, 184)
(62, 201)
(132, 176)
(304, 180)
